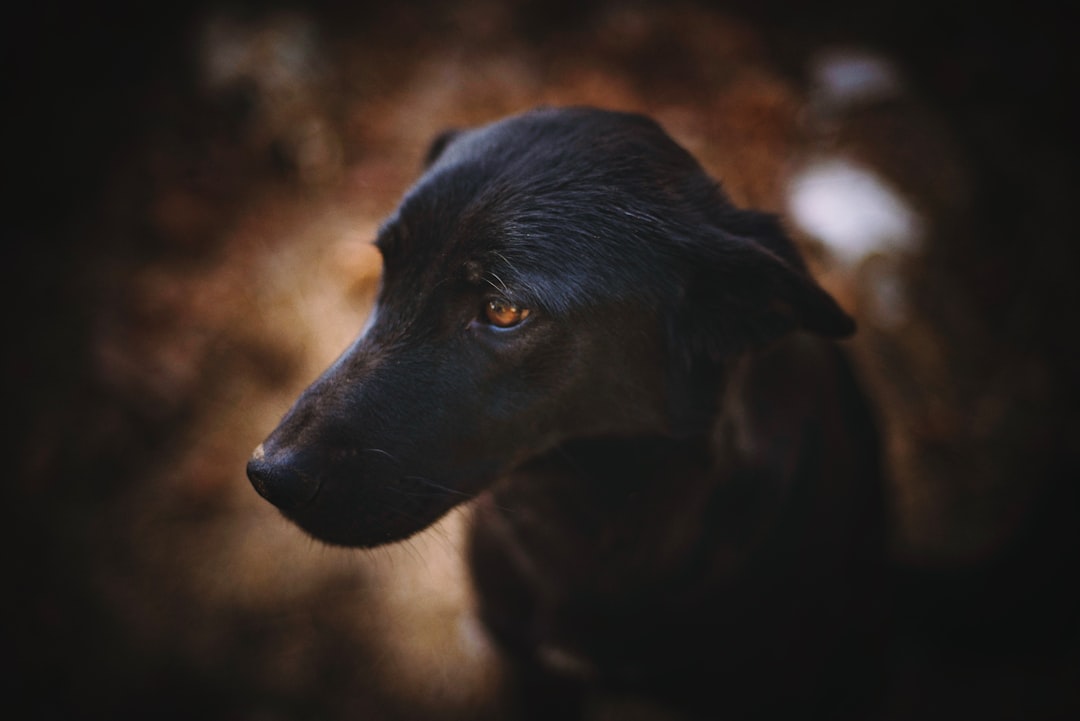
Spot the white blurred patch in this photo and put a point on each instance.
(853, 211)
(843, 78)
(279, 54)
(275, 62)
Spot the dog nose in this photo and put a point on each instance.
(279, 479)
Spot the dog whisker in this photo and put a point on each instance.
(379, 451)
(503, 258)
(520, 278)
(438, 486)
(437, 490)
(501, 287)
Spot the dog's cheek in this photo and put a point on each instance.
(604, 375)
(502, 394)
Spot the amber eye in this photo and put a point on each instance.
(504, 314)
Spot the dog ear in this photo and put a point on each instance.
(749, 287)
(438, 145)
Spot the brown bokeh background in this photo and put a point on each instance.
(192, 192)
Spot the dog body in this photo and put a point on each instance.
(738, 574)
(677, 478)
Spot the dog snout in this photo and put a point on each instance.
(279, 478)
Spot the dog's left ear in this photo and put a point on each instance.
(749, 286)
(438, 145)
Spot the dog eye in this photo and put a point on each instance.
(504, 314)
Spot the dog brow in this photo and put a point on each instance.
(534, 287)
(501, 286)
(476, 274)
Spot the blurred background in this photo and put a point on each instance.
(192, 193)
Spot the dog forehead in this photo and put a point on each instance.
(436, 226)
(538, 172)
(563, 201)
(538, 134)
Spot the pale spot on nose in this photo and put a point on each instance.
(259, 453)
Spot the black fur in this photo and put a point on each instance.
(678, 478)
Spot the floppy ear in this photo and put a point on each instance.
(748, 288)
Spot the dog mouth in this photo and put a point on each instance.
(381, 514)
(353, 507)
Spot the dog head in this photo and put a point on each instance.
(558, 275)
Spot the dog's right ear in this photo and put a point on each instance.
(748, 287)
(439, 144)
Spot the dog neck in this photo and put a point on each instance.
(608, 512)
(617, 553)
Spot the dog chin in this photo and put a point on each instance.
(366, 528)
(353, 538)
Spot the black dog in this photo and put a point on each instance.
(678, 482)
